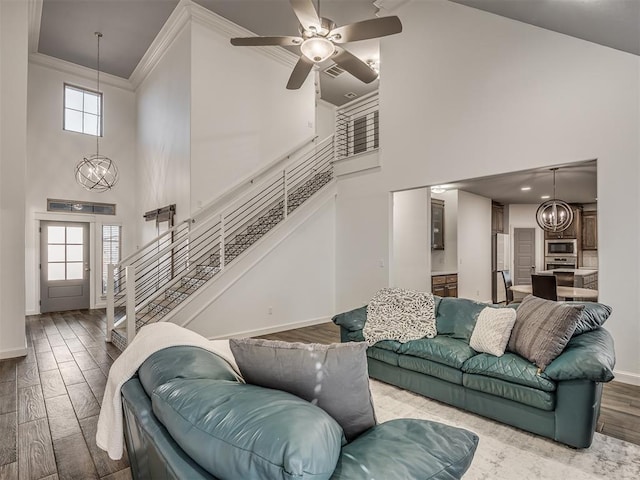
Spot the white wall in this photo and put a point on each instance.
(491, 95)
(447, 260)
(163, 103)
(53, 154)
(474, 246)
(13, 156)
(410, 243)
(325, 119)
(242, 116)
(291, 286)
(524, 216)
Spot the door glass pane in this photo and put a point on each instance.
(74, 235)
(56, 253)
(74, 271)
(74, 253)
(55, 234)
(56, 271)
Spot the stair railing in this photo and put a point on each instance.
(183, 258)
(357, 126)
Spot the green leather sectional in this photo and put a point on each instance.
(562, 403)
(187, 416)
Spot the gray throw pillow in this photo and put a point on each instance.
(542, 329)
(333, 377)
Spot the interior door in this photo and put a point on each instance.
(64, 266)
(524, 255)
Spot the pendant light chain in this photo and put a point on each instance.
(99, 35)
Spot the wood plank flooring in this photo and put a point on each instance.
(50, 399)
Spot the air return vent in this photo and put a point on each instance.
(75, 206)
(333, 71)
(351, 95)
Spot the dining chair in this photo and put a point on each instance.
(506, 278)
(544, 286)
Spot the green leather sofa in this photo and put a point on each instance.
(187, 416)
(562, 403)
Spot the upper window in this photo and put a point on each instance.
(82, 110)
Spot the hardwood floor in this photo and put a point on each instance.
(50, 399)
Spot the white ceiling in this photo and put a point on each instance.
(129, 26)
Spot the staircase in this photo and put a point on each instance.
(150, 285)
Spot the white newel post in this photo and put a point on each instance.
(110, 300)
(130, 274)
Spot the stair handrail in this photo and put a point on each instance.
(242, 190)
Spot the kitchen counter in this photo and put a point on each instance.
(576, 271)
(445, 272)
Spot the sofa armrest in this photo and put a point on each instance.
(589, 356)
(353, 320)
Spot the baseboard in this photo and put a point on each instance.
(627, 377)
(16, 352)
(32, 312)
(276, 328)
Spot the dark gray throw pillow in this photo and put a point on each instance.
(333, 377)
(542, 329)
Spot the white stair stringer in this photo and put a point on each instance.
(186, 313)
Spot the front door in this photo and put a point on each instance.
(524, 255)
(64, 266)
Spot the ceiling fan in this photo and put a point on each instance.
(320, 38)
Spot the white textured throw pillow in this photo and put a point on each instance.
(492, 331)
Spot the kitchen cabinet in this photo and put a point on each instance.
(590, 230)
(444, 285)
(437, 224)
(574, 230)
(497, 218)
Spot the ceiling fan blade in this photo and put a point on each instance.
(300, 73)
(264, 41)
(306, 13)
(374, 28)
(354, 65)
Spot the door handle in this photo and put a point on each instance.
(87, 269)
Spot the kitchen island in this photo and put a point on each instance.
(583, 277)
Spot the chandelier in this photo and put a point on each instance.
(97, 173)
(554, 215)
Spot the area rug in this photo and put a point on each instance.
(506, 453)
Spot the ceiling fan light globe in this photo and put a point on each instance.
(317, 49)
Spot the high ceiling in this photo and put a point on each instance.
(129, 26)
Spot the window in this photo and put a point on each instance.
(82, 110)
(65, 253)
(110, 251)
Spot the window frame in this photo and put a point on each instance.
(100, 115)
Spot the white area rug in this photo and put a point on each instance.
(506, 453)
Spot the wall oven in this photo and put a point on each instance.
(564, 247)
(551, 263)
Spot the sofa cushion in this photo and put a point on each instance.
(457, 317)
(592, 317)
(433, 369)
(333, 377)
(441, 349)
(511, 391)
(408, 449)
(492, 331)
(589, 356)
(510, 367)
(182, 362)
(543, 328)
(383, 355)
(234, 430)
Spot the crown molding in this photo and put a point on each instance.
(35, 17)
(174, 25)
(221, 25)
(78, 70)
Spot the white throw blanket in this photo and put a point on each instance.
(150, 339)
(400, 314)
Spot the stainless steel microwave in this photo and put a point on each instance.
(566, 247)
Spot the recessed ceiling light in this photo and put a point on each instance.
(525, 189)
(438, 189)
(545, 197)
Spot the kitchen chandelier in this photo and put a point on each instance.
(554, 215)
(97, 173)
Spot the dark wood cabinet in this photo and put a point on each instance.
(437, 224)
(497, 218)
(590, 230)
(574, 230)
(445, 285)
